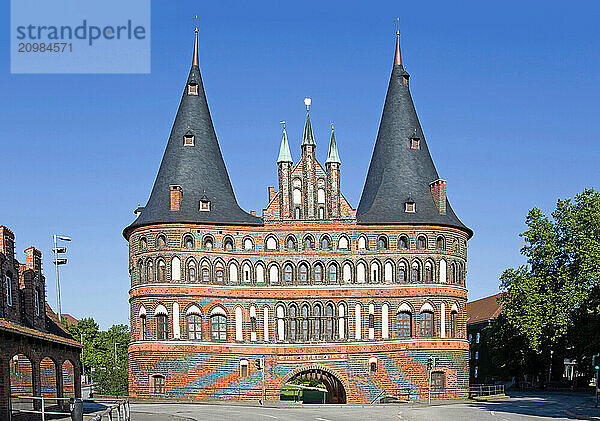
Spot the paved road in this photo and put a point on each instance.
(519, 407)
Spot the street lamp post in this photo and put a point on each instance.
(57, 262)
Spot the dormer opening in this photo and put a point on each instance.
(415, 141)
(409, 206)
(193, 89)
(188, 139)
(204, 204)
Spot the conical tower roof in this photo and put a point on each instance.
(308, 137)
(333, 156)
(284, 150)
(399, 173)
(198, 169)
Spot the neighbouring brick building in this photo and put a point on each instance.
(356, 297)
(481, 314)
(37, 355)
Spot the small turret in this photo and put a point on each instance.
(284, 162)
(332, 167)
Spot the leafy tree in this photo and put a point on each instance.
(554, 300)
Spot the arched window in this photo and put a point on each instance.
(297, 196)
(143, 324)
(273, 275)
(248, 244)
(332, 273)
(343, 243)
(382, 243)
(454, 273)
(219, 271)
(290, 243)
(428, 272)
(385, 322)
(403, 243)
(293, 323)
(162, 271)
(329, 322)
(303, 273)
(228, 244)
(266, 324)
(253, 323)
(321, 196)
(175, 269)
(188, 242)
(161, 241)
(440, 244)
(404, 323)
(357, 322)
(288, 273)
(308, 243)
(426, 324)
(304, 326)
(260, 273)
(347, 272)
(421, 242)
(194, 325)
(246, 272)
(317, 324)
(208, 243)
(141, 271)
(325, 243)
(373, 364)
(192, 271)
(149, 272)
(415, 275)
(388, 272)
(239, 334)
(143, 243)
(233, 273)
(362, 243)
(360, 273)
(371, 321)
(243, 368)
(374, 272)
(280, 323)
(205, 274)
(401, 272)
(453, 324)
(162, 328)
(455, 246)
(318, 273)
(443, 269)
(271, 243)
(321, 213)
(218, 324)
(342, 321)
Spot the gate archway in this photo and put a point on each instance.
(336, 392)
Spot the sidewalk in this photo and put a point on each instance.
(586, 411)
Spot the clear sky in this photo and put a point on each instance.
(507, 94)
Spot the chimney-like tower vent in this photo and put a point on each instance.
(438, 192)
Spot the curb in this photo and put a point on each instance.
(581, 417)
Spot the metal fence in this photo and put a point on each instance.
(46, 407)
(477, 390)
(408, 394)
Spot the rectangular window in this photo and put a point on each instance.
(37, 302)
(426, 324)
(244, 370)
(194, 327)
(477, 337)
(192, 89)
(162, 327)
(158, 385)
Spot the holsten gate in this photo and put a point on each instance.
(359, 298)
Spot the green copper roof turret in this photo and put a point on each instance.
(333, 156)
(284, 150)
(308, 137)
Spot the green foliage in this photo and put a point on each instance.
(553, 302)
(98, 355)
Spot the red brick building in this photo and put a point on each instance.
(481, 314)
(37, 355)
(356, 297)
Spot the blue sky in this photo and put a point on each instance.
(507, 94)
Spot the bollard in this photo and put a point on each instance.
(76, 405)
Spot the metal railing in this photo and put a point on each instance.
(409, 394)
(485, 390)
(112, 410)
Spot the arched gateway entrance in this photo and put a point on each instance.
(317, 378)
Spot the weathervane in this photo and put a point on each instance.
(398, 25)
(307, 102)
(331, 124)
(282, 122)
(196, 19)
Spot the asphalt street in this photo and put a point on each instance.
(518, 407)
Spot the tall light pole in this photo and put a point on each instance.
(116, 343)
(57, 262)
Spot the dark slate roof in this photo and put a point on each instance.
(398, 172)
(198, 169)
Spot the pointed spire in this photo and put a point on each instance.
(195, 59)
(398, 56)
(308, 137)
(333, 157)
(284, 149)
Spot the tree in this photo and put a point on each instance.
(554, 298)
